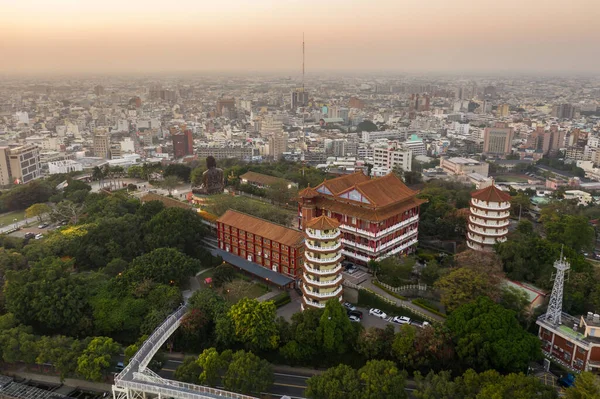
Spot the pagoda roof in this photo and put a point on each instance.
(308, 192)
(322, 223)
(343, 183)
(491, 194)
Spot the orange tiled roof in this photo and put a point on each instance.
(491, 194)
(385, 190)
(308, 192)
(264, 180)
(342, 183)
(262, 228)
(323, 223)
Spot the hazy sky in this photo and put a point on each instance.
(63, 36)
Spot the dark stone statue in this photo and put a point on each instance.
(212, 180)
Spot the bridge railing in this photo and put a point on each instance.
(182, 390)
(140, 357)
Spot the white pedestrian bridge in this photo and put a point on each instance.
(137, 381)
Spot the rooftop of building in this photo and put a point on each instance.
(375, 192)
(322, 223)
(491, 194)
(262, 228)
(167, 202)
(265, 180)
(463, 161)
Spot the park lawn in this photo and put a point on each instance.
(238, 289)
(7, 218)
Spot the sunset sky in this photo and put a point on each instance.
(112, 36)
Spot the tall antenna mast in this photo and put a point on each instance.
(554, 312)
(302, 61)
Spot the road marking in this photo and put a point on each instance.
(173, 370)
(174, 361)
(289, 385)
(291, 375)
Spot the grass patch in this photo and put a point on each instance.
(8, 218)
(371, 300)
(395, 271)
(219, 204)
(237, 289)
(281, 299)
(427, 305)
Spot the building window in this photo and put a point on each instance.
(354, 221)
(581, 350)
(569, 344)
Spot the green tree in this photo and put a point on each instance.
(17, 342)
(254, 324)
(212, 365)
(222, 274)
(96, 358)
(196, 176)
(376, 343)
(170, 183)
(248, 374)
(339, 382)
(520, 204)
(38, 211)
(303, 346)
(336, 333)
(163, 266)
(587, 386)
(181, 171)
(61, 351)
(381, 379)
(436, 386)
(570, 230)
(188, 371)
(48, 297)
(488, 336)
(464, 285)
(280, 192)
(177, 228)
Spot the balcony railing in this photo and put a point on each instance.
(310, 302)
(323, 247)
(322, 272)
(311, 281)
(380, 233)
(323, 294)
(485, 232)
(487, 241)
(320, 235)
(488, 223)
(398, 249)
(496, 206)
(355, 256)
(312, 259)
(489, 215)
(381, 247)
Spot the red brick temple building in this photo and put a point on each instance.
(378, 217)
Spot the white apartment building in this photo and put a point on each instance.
(398, 134)
(464, 166)
(392, 155)
(65, 166)
(416, 145)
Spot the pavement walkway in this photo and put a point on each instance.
(55, 380)
(399, 302)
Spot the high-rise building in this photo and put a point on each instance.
(226, 107)
(378, 217)
(392, 155)
(356, 103)
(99, 90)
(497, 141)
(299, 98)
(101, 145)
(563, 111)
(488, 218)
(322, 277)
(546, 141)
(503, 110)
(278, 144)
(419, 102)
(19, 164)
(183, 144)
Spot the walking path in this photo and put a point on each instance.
(399, 302)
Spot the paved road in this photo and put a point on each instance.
(20, 223)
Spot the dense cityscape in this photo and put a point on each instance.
(290, 200)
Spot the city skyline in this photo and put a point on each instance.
(463, 36)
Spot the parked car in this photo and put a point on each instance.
(400, 320)
(354, 319)
(29, 236)
(351, 270)
(356, 313)
(349, 306)
(119, 367)
(43, 226)
(377, 313)
(566, 381)
(39, 236)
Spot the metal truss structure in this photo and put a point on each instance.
(554, 312)
(137, 381)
